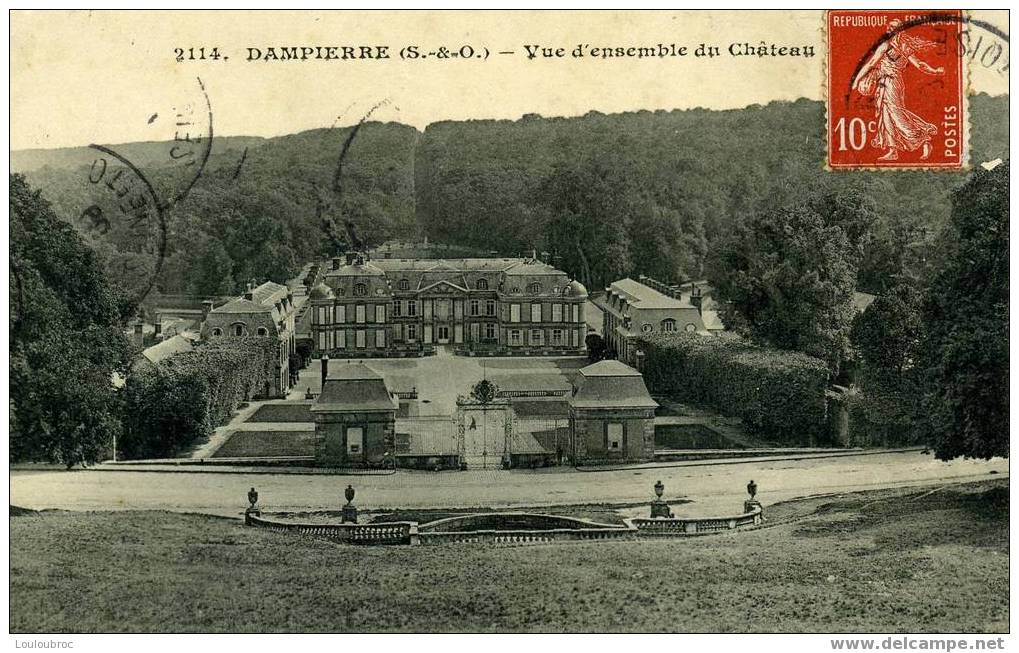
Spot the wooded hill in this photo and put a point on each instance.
(644, 192)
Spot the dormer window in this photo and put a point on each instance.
(403, 284)
(668, 325)
(360, 290)
(238, 329)
(534, 289)
(482, 284)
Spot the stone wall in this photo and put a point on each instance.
(589, 431)
(331, 437)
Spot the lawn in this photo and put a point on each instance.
(887, 561)
(245, 444)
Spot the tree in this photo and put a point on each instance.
(886, 338)
(786, 279)
(66, 339)
(965, 314)
(887, 334)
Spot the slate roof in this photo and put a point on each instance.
(610, 384)
(163, 350)
(641, 296)
(354, 387)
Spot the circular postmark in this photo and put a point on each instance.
(123, 200)
(331, 203)
(976, 40)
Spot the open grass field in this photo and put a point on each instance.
(911, 560)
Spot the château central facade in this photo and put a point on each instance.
(493, 306)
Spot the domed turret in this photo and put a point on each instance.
(321, 291)
(575, 289)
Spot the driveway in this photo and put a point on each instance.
(711, 488)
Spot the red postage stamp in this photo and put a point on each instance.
(895, 89)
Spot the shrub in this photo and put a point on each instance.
(180, 400)
(779, 395)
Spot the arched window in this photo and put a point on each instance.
(238, 329)
(403, 284)
(217, 331)
(360, 290)
(262, 331)
(668, 325)
(534, 289)
(482, 284)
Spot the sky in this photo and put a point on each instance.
(81, 77)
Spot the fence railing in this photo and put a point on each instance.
(382, 533)
(531, 393)
(408, 532)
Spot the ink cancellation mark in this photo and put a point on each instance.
(125, 208)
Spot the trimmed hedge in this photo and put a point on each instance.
(182, 399)
(779, 395)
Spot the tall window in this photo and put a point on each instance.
(535, 312)
(557, 336)
(537, 337)
(514, 337)
(238, 329)
(380, 313)
(490, 330)
(514, 312)
(341, 339)
(397, 305)
(412, 307)
(323, 315)
(359, 314)
(475, 306)
(490, 307)
(359, 339)
(668, 325)
(355, 439)
(614, 436)
(482, 284)
(557, 312)
(412, 332)
(360, 290)
(404, 284)
(576, 312)
(380, 338)
(341, 314)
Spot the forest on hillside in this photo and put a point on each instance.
(637, 193)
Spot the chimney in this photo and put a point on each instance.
(138, 328)
(546, 258)
(159, 328)
(336, 261)
(325, 368)
(696, 298)
(675, 292)
(249, 295)
(207, 306)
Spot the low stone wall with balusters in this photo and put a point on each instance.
(695, 526)
(410, 533)
(382, 533)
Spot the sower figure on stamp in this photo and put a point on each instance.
(882, 77)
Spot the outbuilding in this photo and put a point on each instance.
(355, 417)
(612, 415)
